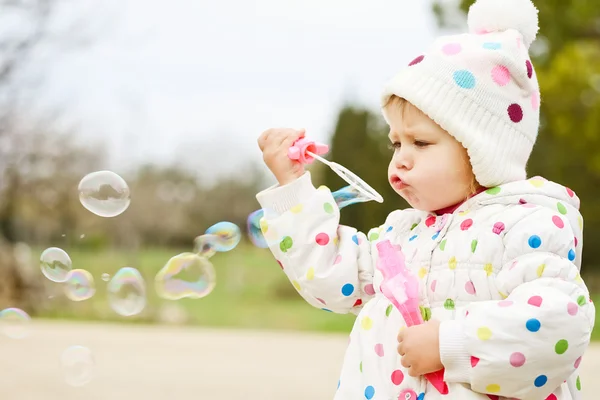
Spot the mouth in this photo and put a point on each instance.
(397, 183)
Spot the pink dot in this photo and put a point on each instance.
(433, 285)
(501, 75)
(280, 264)
(575, 240)
(505, 303)
(572, 308)
(321, 301)
(451, 49)
(517, 359)
(397, 377)
(552, 397)
(570, 192)
(498, 228)
(369, 289)
(577, 362)
(416, 61)
(474, 361)
(338, 259)
(481, 31)
(322, 239)
(535, 301)
(466, 224)
(558, 221)
(379, 349)
(469, 287)
(535, 100)
(515, 112)
(430, 221)
(529, 69)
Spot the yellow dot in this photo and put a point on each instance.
(463, 213)
(422, 272)
(264, 227)
(296, 285)
(488, 268)
(297, 209)
(484, 333)
(493, 388)
(366, 323)
(452, 263)
(323, 187)
(336, 240)
(536, 182)
(310, 274)
(580, 222)
(502, 295)
(540, 270)
(578, 278)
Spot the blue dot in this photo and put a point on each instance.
(540, 381)
(533, 325)
(492, 46)
(347, 289)
(571, 255)
(421, 396)
(413, 238)
(389, 229)
(464, 79)
(355, 239)
(435, 236)
(338, 384)
(535, 241)
(326, 309)
(369, 392)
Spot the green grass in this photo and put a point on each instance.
(251, 292)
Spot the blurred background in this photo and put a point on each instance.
(172, 96)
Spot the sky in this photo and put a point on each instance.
(196, 82)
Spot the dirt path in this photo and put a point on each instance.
(158, 363)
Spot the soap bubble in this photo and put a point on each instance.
(14, 323)
(79, 285)
(229, 235)
(185, 275)
(104, 193)
(127, 292)
(206, 245)
(78, 365)
(55, 264)
(105, 277)
(254, 229)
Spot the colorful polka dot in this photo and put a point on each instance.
(357, 303)
(321, 301)
(464, 79)
(466, 224)
(484, 333)
(571, 256)
(328, 208)
(492, 46)
(297, 209)
(556, 220)
(366, 323)
(535, 301)
(534, 241)
(389, 229)
(355, 239)
(533, 325)
(369, 392)
(540, 381)
(374, 236)
(286, 244)
(322, 239)
(297, 285)
(360, 367)
(561, 346)
(493, 388)
(430, 221)
(578, 383)
(470, 288)
(489, 269)
(529, 69)
(552, 397)
(280, 264)
(517, 359)
(416, 61)
(451, 49)
(572, 309)
(379, 350)
(413, 226)
(577, 362)
(326, 309)
(515, 112)
(474, 245)
(505, 303)
(561, 208)
(388, 310)
(474, 361)
(494, 191)
(413, 238)
(397, 377)
(501, 75)
(540, 270)
(443, 245)
(264, 227)
(425, 313)
(347, 289)
(536, 182)
(498, 228)
(449, 304)
(581, 300)
(435, 236)
(369, 289)
(422, 272)
(570, 192)
(452, 263)
(310, 274)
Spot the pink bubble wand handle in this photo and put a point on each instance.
(303, 150)
(401, 287)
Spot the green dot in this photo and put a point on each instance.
(578, 383)
(449, 304)
(561, 208)
(328, 208)
(413, 226)
(286, 244)
(561, 346)
(425, 313)
(374, 236)
(443, 245)
(388, 310)
(581, 300)
(494, 190)
(474, 245)
(360, 366)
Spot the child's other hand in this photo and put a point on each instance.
(274, 144)
(419, 346)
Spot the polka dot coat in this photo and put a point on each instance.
(501, 273)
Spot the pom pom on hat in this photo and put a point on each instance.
(486, 16)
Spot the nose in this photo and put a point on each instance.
(403, 158)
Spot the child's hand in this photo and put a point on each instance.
(419, 346)
(274, 144)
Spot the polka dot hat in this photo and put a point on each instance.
(481, 88)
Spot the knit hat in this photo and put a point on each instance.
(481, 88)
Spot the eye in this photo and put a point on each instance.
(420, 143)
(394, 146)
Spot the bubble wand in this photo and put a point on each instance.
(401, 288)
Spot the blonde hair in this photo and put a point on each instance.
(396, 103)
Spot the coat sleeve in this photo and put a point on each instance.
(530, 343)
(329, 264)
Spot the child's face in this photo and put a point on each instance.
(429, 168)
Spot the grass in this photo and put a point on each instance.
(251, 292)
